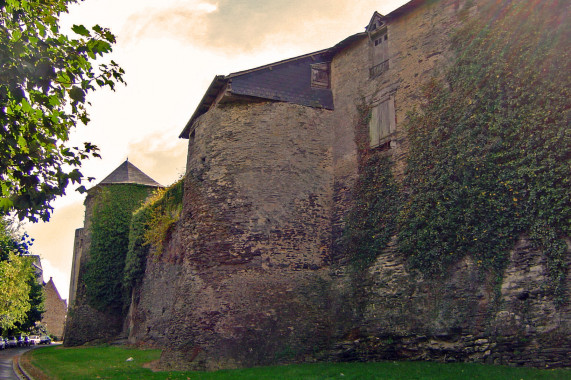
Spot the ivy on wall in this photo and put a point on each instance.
(150, 226)
(112, 212)
(371, 222)
(489, 151)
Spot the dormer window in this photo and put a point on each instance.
(320, 77)
(376, 24)
(379, 46)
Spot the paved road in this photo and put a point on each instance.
(6, 357)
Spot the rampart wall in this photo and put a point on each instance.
(253, 272)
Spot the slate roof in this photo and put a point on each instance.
(129, 173)
(288, 81)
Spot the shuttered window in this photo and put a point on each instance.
(382, 123)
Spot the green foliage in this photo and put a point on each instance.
(372, 221)
(45, 78)
(37, 298)
(21, 297)
(15, 275)
(150, 227)
(110, 363)
(489, 151)
(167, 208)
(112, 213)
(11, 240)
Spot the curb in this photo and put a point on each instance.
(19, 371)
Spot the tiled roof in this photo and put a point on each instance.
(129, 173)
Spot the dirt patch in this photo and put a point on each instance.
(25, 362)
(153, 365)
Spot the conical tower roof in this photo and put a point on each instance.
(129, 173)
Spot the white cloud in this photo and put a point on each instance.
(60, 278)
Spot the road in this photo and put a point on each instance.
(6, 357)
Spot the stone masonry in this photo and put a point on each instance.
(252, 273)
(55, 311)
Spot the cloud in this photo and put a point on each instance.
(170, 21)
(159, 156)
(238, 26)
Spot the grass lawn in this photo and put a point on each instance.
(111, 363)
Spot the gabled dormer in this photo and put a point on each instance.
(377, 25)
(378, 41)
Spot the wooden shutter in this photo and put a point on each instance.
(382, 123)
(374, 127)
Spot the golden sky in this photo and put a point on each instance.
(171, 50)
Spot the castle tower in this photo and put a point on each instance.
(120, 193)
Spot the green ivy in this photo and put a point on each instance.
(112, 212)
(372, 221)
(489, 151)
(150, 226)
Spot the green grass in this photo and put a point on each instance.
(110, 363)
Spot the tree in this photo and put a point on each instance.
(21, 295)
(15, 275)
(45, 77)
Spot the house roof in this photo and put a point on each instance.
(287, 80)
(284, 80)
(129, 173)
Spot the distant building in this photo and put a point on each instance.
(38, 270)
(56, 308)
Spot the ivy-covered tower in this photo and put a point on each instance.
(96, 294)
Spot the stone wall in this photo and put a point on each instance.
(401, 315)
(252, 273)
(241, 282)
(461, 317)
(418, 45)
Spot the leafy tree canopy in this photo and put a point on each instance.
(45, 77)
(21, 296)
(15, 275)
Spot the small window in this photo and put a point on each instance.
(320, 75)
(382, 124)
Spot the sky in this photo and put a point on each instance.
(171, 50)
